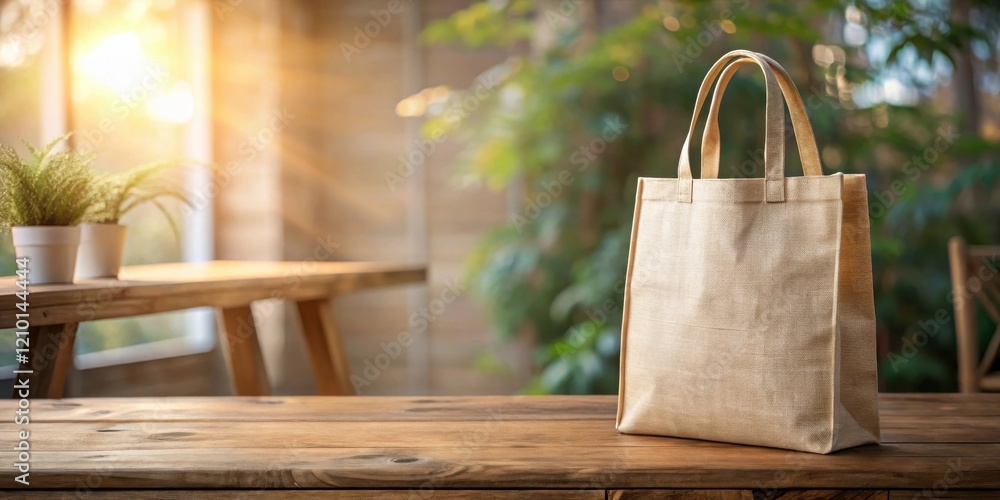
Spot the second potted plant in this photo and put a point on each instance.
(102, 236)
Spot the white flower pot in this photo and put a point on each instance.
(51, 252)
(101, 247)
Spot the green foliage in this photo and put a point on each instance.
(927, 29)
(117, 194)
(483, 24)
(577, 125)
(912, 284)
(45, 189)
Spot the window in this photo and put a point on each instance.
(136, 81)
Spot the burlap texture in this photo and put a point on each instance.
(749, 314)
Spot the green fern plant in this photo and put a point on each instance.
(117, 194)
(46, 188)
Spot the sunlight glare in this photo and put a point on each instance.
(11, 53)
(117, 61)
(174, 106)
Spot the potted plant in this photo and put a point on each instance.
(42, 199)
(102, 236)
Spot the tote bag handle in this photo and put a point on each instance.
(774, 134)
(804, 137)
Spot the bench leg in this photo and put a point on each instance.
(326, 351)
(238, 335)
(50, 356)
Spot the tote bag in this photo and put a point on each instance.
(749, 313)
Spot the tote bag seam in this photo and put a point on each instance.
(626, 303)
(877, 434)
(835, 379)
(747, 202)
(660, 182)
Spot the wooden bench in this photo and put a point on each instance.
(55, 311)
(934, 446)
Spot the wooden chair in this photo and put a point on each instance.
(975, 278)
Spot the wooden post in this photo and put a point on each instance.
(50, 357)
(56, 109)
(965, 316)
(238, 335)
(326, 351)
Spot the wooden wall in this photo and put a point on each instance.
(305, 131)
(304, 138)
(317, 188)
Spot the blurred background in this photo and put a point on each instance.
(500, 143)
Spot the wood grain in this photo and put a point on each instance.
(680, 495)
(412, 494)
(946, 495)
(238, 335)
(934, 405)
(170, 287)
(309, 408)
(151, 435)
(965, 316)
(894, 408)
(452, 465)
(821, 494)
(50, 356)
(326, 350)
(494, 442)
(230, 286)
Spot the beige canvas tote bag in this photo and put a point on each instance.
(749, 314)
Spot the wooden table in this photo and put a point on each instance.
(545, 447)
(230, 286)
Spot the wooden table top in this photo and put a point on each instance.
(169, 287)
(563, 442)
